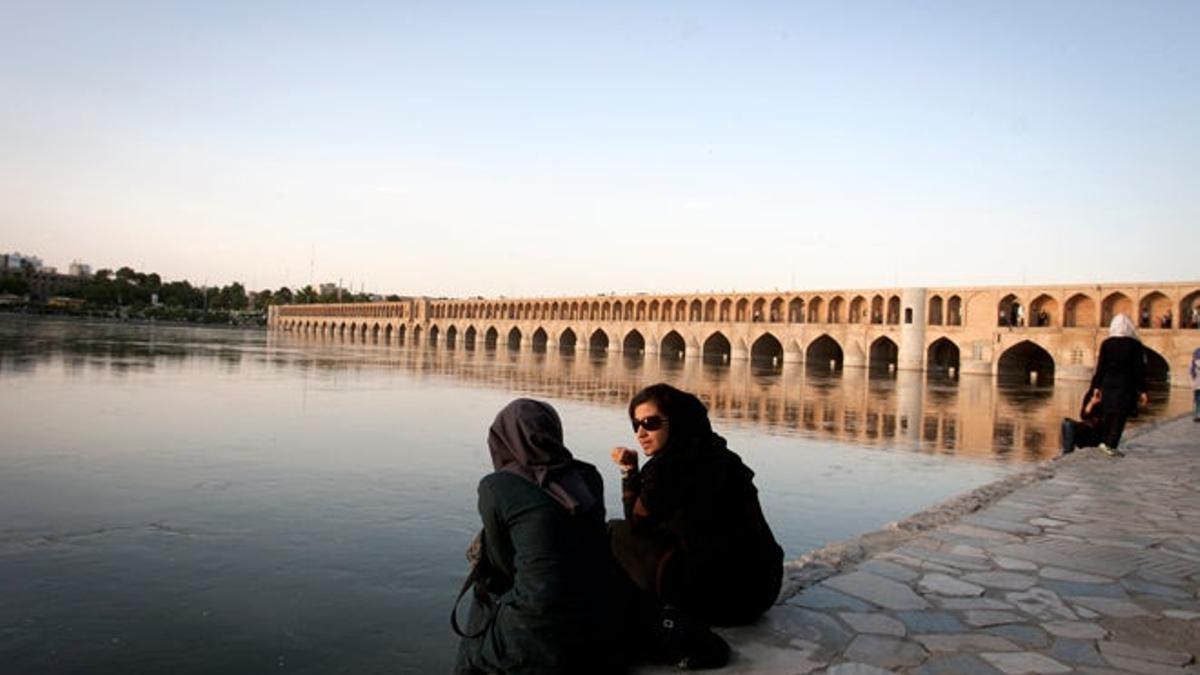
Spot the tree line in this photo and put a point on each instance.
(127, 287)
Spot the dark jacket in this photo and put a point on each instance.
(1120, 375)
(699, 499)
(549, 606)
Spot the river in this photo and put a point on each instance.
(202, 500)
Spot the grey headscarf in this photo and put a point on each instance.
(1122, 326)
(526, 439)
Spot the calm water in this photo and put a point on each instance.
(202, 500)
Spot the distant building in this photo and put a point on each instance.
(328, 289)
(79, 269)
(15, 262)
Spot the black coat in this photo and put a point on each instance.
(1120, 375)
(549, 599)
(701, 501)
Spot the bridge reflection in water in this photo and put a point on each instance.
(972, 415)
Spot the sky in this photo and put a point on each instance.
(558, 148)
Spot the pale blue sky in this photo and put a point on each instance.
(556, 148)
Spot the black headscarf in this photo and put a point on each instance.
(526, 440)
(690, 429)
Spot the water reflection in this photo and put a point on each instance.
(973, 415)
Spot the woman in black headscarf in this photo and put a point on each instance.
(694, 541)
(541, 603)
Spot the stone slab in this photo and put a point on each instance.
(1009, 581)
(876, 623)
(1019, 663)
(986, 617)
(944, 584)
(1080, 630)
(878, 590)
(931, 622)
(885, 652)
(965, 642)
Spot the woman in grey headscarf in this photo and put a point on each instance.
(1121, 380)
(541, 605)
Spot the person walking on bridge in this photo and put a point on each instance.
(1121, 379)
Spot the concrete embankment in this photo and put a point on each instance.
(1086, 564)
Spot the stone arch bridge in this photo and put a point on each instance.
(1029, 332)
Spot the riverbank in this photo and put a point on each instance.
(1083, 564)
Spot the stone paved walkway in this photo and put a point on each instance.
(1093, 570)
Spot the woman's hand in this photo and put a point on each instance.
(625, 458)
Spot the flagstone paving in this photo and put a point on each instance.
(1094, 569)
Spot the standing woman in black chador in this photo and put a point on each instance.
(542, 579)
(694, 547)
(1121, 380)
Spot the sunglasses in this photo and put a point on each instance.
(651, 423)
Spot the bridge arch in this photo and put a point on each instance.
(1189, 310)
(416, 336)
(469, 336)
(567, 340)
(1116, 303)
(883, 354)
(710, 310)
(877, 309)
(491, 338)
(942, 356)
(1043, 311)
(401, 333)
(858, 309)
(796, 311)
(1009, 311)
(954, 311)
(759, 310)
(836, 305)
(767, 351)
(598, 342)
(514, 339)
(695, 311)
(776, 315)
(387, 334)
(673, 346)
(1152, 310)
(1080, 311)
(539, 339)
(654, 307)
(1158, 371)
(1018, 362)
(716, 348)
(824, 354)
(633, 343)
(434, 332)
(814, 309)
(451, 337)
(934, 318)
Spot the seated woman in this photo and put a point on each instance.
(542, 581)
(694, 542)
(1084, 433)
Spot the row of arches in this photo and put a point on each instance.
(1154, 310)
(876, 309)
(825, 353)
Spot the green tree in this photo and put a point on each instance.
(11, 283)
(284, 296)
(233, 296)
(307, 295)
(263, 299)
